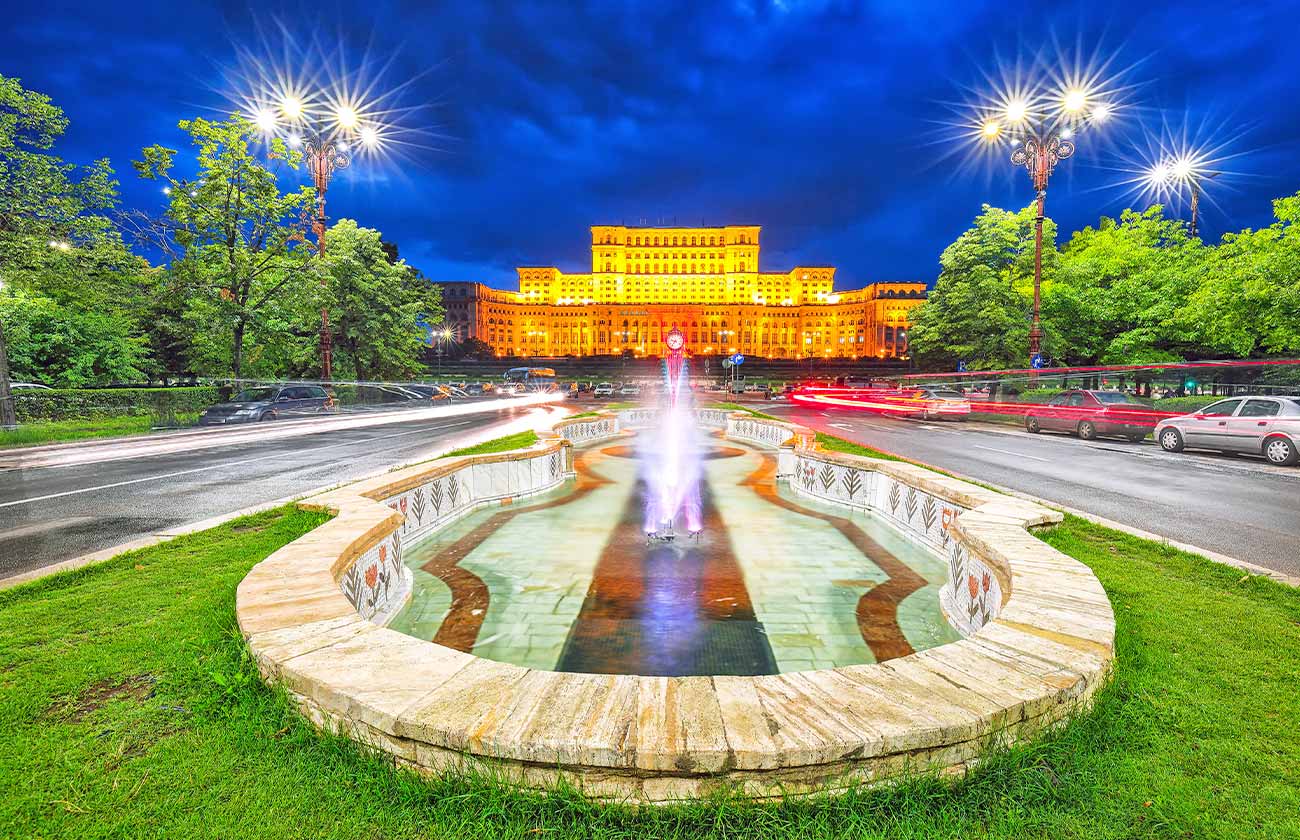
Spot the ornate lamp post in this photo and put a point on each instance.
(324, 135)
(1041, 129)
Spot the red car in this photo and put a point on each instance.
(1092, 414)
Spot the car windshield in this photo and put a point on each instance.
(255, 395)
(1110, 396)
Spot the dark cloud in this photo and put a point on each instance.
(818, 120)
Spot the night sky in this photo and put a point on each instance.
(823, 122)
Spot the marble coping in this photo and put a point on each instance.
(660, 739)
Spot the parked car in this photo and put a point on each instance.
(478, 389)
(630, 389)
(1091, 414)
(572, 392)
(269, 402)
(604, 389)
(1268, 426)
(434, 393)
(942, 404)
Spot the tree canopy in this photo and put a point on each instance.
(1134, 289)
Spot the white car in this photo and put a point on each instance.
(604, 389)
(630, 390)
(1268, 426)
(28, 386)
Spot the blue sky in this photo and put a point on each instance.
(821, 121)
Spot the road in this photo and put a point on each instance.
(1237, 506)
(53, 513)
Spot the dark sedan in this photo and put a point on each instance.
(1091, 414)
(271, 402)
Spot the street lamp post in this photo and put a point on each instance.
(1041, 126)
(323, 132)
(1040, 153)
(323, 158)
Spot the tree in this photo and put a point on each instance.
(70, 347)
(374, 304)
(1119, 289)
(1249, 299)
(235, 244)
(978, 311)
(55, 241)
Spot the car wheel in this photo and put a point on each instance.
(1031, 425)
(1281, 451)
(269, 415)
(1087, 431)
(1171, 440)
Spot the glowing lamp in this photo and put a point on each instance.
(991, 129)
(1017, 110)
(291, 107)
(346, 117)
(265, 119)
(1074, 101)
(369, 136)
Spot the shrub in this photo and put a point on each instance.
(98, 403)
(1184, 405)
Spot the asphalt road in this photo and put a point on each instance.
(1237, 506)
(50, 514)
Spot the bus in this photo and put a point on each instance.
(531, 378)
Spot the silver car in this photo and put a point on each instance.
(1268, 426)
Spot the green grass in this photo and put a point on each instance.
(54, 431)
(131, 709)
(502, 444)
(838, 444)
(582, 415)
(731, 406)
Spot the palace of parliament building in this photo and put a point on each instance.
(705, 281)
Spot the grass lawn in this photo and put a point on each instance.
(130, 709)
(53, 431)
(731, 406)
(502, 444)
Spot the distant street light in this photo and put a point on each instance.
(1041, 125)
(323, 132)
(1187, 170)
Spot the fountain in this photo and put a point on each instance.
(831, 620)
(670, 456)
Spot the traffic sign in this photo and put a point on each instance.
(1037, 361)
(737, 359)
(961, 366)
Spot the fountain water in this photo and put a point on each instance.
(670, 456)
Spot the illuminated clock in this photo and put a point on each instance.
(675, 340)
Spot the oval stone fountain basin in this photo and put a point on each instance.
(773, 583)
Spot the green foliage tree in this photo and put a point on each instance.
(979, 308)
(375, 300)
(70, 347)
(1249, 300)
(235, 243)
(58, 246)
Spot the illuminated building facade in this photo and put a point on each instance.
(706, 281)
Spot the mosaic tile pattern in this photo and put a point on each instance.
(769, 434)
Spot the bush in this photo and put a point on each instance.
(98, 403)
(1184, 405)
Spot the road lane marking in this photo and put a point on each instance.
(840, 426)
(1014, 454)
(225, 464)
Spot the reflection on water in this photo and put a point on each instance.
(568, 581)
